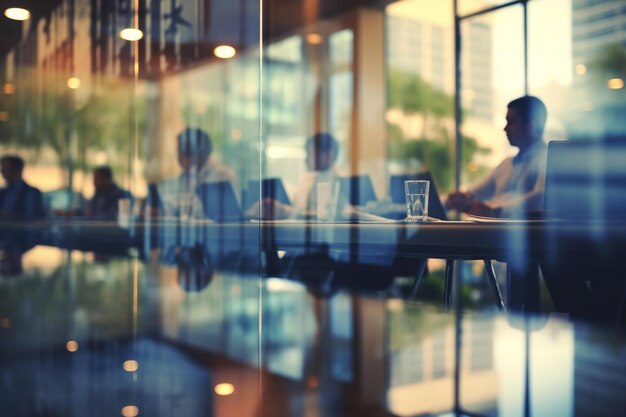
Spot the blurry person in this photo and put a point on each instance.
(321, 154)
(517, 184)
(178, 195)
(104, 203)
(18, 200)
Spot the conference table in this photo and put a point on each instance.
(355, 246)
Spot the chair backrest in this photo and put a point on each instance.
(586, 179)
(266, 188)
(219, 201)
(357, 189)
(396, 192)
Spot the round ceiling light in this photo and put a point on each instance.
(224, 51)
(131, 34)
(17, 13)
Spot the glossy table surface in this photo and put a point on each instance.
(86, 334)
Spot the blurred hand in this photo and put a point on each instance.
(268, 209)
(478, 208)
(459, 201)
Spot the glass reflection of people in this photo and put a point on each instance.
(321, 154)
(19, 201)
(104, 203)
(178, 195)
(517, 184)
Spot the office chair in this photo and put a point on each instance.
(586, 186)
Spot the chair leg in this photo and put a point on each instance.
(419, 275)
(491, 277)
(447, 290)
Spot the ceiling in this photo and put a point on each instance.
(280, 16)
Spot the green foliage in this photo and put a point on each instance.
(411, 94)
(609, 62)
(434, 147)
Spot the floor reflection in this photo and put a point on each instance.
(80, 335)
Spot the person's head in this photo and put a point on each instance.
(321, 152)
(194, 148)
(102, 178)
(11, 167)
(525, 120)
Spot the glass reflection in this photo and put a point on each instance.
(217, 202)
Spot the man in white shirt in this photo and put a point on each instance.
(321, 154)
(178, 195)
(516, 185)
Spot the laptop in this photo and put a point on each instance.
(266, 188)
(219, 201)
(435, 205)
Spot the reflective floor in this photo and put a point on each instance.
(86, 335)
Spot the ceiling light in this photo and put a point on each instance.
(73, 83)
(71, 346)
(314, 38)
(224, 51)
(9, 88)
(581, 69)
(130, 411)
(224, 389)
(616, 83)
(131, 366)
(131, 34)
(17, 13)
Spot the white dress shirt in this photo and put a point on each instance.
(517, 184)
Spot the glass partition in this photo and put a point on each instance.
(203, 209)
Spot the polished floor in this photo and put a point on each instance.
(84, 335)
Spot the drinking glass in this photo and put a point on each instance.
(416, 192)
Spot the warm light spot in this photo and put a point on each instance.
(581, 69)
(131, 365)
(130, 411)
(5, 322)
(313, 382)
(472, 166)
(224, 389)
(71, 346)
(17, 13)
(4, 116)
(9, 88)
(200, 108)
(314, 38)
(131, 34)
(235, 134)
(224, 51)
(616, 83)
(73, 83)
(395, 305)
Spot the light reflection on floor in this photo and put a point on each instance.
(66, 321)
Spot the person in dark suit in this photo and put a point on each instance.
(104, 203)
(18, 200)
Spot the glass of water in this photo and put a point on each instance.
(416, 193)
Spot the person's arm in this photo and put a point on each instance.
(472, 201)
(532, 200)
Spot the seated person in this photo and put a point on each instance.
(516, 185)
(321, 154)
(104, 203)
(18, 200)
(178, 195)
(22, 202)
